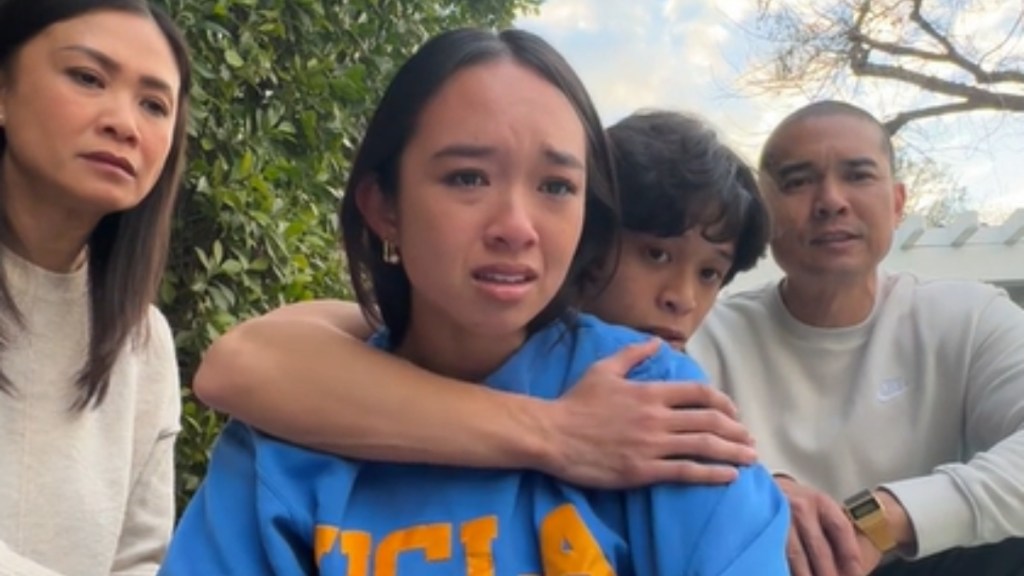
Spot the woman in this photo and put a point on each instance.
(93, 98)
(478, 208)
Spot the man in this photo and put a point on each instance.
(902, 396)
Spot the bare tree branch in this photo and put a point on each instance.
(996, 100)
(894, 41)
(954, 56)
(894, 124)
(897, 49)
(980, 75)
(1014, 31)
(951, 52)
(837, 48)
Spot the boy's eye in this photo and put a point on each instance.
(711, 275)
(658, 255)
(465, 179)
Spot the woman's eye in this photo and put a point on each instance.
(156, 108)
(85, 78)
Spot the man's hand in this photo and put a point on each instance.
(870, 557)
(822, 540)
(610, 433)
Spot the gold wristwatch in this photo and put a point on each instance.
(868, 515)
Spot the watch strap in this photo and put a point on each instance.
(868, 515)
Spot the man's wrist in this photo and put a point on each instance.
(867, 513)
(900, 526)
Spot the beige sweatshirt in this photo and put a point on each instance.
(925, 397)
(83, 494)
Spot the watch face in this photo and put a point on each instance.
(864, 508)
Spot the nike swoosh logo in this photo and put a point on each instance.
(891, 388)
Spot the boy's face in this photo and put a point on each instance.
(664, 286)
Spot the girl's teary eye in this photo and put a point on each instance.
(465, 179)
(558, 187)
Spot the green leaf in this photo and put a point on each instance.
(232, 58)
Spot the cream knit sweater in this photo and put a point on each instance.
(91, 493)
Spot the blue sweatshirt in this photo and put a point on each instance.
(269, 507)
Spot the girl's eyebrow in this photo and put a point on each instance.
(476, 151)
(563, 159)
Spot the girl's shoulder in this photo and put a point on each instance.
(590, 339)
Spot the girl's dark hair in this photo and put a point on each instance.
(127, 250)
(382, 289)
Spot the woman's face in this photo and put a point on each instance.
(89, 106)
(491, 201)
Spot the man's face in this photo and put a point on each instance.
(833, 198)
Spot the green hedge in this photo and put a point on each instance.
(283, 90)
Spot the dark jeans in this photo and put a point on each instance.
(1003, 559)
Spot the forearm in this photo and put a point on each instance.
(310, 383)
(969, 504)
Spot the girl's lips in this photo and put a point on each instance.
(504, 273)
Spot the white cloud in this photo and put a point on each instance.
(642, 53)
(563, 15)
(735, 10)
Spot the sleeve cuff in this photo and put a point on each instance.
(941, 515)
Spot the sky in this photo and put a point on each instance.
(693, 56)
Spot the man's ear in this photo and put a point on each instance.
(379, 211)
(899, 200)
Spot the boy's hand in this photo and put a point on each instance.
(610, 433)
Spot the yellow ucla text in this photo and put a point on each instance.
(567, 546)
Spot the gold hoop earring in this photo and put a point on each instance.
(389, 253)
